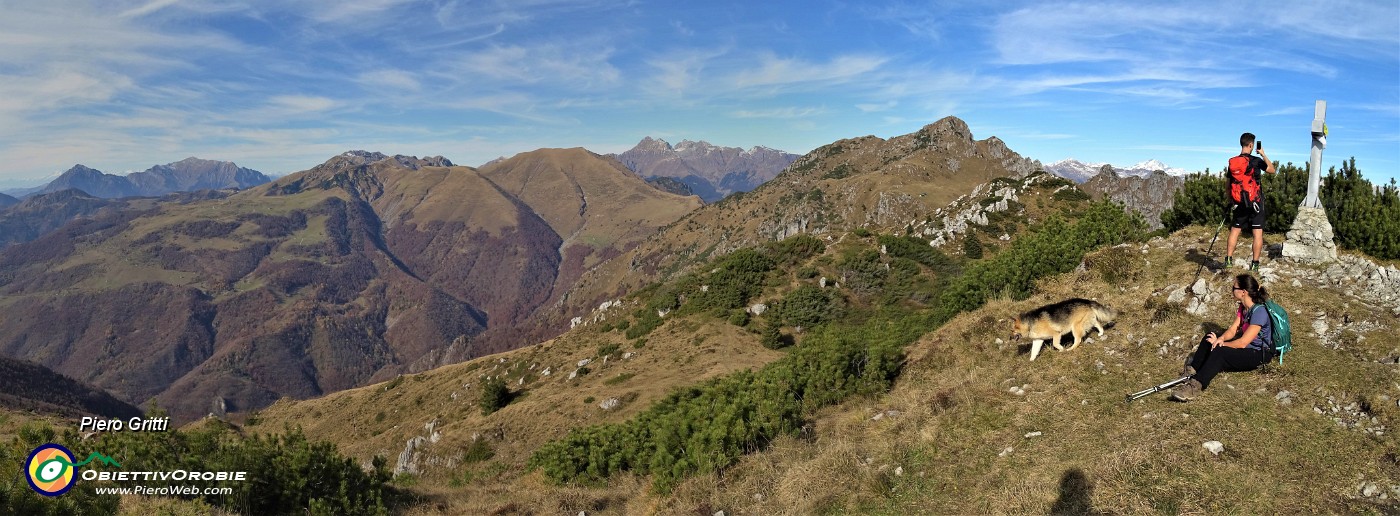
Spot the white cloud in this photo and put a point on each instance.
(348, 10)
(875, 108)
(1199, 44)
(577, 66)
(771, 70)
(59, 88)
(920, 19)
(153, 6)
(297, 104)
(779, 113)
(678, 72)
(389, 79)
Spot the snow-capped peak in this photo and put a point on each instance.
(1079, 171)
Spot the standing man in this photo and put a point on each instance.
(1246, 197)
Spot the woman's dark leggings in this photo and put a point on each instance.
(1209, 363)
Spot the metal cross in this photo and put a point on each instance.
(1319, 142)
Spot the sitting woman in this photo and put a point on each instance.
(1244, 348)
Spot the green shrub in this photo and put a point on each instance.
(478, 451)
(862, 272)
(739, 318)
(972, 247)
(494, 396)
(795, 249)
(607, 349)
(647, 320)
(706, 428)
(808, 306)
(772, 337)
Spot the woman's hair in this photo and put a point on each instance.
(1251, 286)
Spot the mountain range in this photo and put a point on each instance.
(813, 345)
(186, 175)
(1149, 195)
(710, 171)
(1079, 171)
(360, 268)
(868, 182)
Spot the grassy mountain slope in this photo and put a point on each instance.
(34, 388)
(433, 423)
(970, 424)
(595, 204)
(358, 269)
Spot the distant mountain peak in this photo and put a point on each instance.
(363, 157)
(80, 169)
(711, 171)
(1080, 171)
(189, 174)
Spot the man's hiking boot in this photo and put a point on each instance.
(1254, 266)
(1188, 370)
(1229, 261)
(1187, 391)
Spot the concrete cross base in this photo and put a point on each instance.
(1310, 239)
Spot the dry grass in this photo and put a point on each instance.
(379, 419)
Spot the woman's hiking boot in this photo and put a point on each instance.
(1187, 391)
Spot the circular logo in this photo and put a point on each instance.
(50, 469)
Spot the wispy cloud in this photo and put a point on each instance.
(779, 113)
(389, 79)
(874, 108)
(919, 19)
(299, 104)
(770, 70)
(576, 66)
(148, 8)
(129, 83)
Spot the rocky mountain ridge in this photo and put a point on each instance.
(710, 171)
(1079, 171)
(189, 174)
(1149, 195)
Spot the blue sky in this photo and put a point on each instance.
(281, 86)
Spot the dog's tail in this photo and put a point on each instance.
(1104, 314)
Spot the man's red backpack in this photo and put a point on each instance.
(1244, 186)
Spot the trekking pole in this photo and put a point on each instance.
(1152, 390)
(1211, 249)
